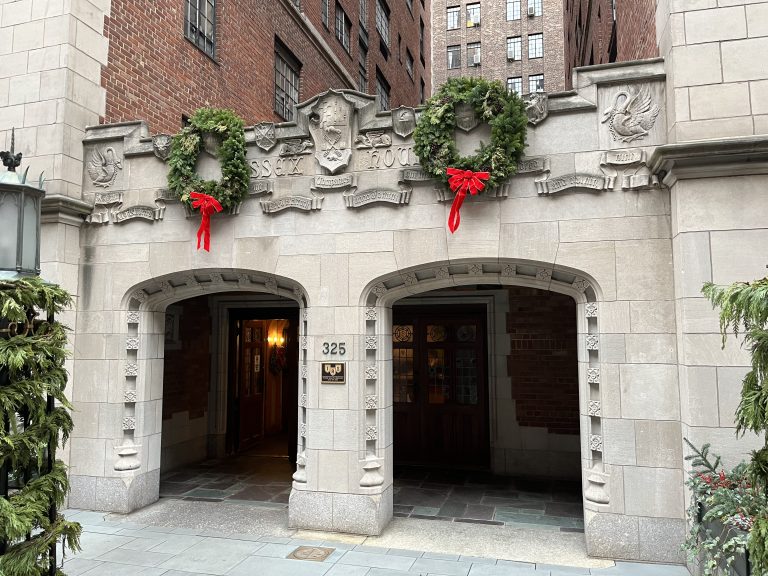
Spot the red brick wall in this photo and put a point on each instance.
(636, 29)
(155, 74)
(543, 362)
(588, 26)
(187, 371)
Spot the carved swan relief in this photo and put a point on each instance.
(632, 115)
(102, 168)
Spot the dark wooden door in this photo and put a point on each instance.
(440, 386)
(251, 381)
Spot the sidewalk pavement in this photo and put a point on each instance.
(115, 546)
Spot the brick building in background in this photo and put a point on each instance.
(259, 57)
(519, 42)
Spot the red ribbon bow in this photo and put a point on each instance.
(208, 205)
(461, 182)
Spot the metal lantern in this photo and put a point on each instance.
(19, 219)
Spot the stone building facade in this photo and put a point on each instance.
(617, 216)
(516, 48)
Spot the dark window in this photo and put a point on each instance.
(421, 40)
(535, 45)
(454, 57)
(453, 17)
(325, 7)
(364, 14)
(409, 62)
(473, 14)
(287, 73)
(422, 92)
(382, 21)
(409, 3)
(514, 48)
(515, 85)
(536, 83)
(382, 90)
(343, 27)
(473, 54)
(200, 25)
(363, 67)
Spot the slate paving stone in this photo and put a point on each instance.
(402, 508)
(479, 512)
(176, 488)
(213, 556)
(421, 497)
(473, 521)
(278, 567)
(453, 510)
(447, 567)
(390, 561)
(564, 509)
(123, 556)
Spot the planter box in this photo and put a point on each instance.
(741, 565)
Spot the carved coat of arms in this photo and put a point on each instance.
(466, 119)
(632, 114)
(264, 135)
(536, 107)
(161, 146)
(331, 127)
(403, 121)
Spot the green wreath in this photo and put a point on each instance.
(434, 141)
(185, 148)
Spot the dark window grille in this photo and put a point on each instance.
(535, 45)
(364, 14)
(343, 27)
(536, 83)
(515, 85)
(287, 74)
(382, 21)
(200, 25)
(382, 90)
(325, 7)
(409, 62)
(514, 48)
(513, 9)
(454, 57)
(473, 54)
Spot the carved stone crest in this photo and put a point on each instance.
(466, 119)
(296, 147)
(403, 121)
(264, 135)
(330, 123)
(373, 140)
(161, 146)
(632, 114)
(103, 167)
(536, 107)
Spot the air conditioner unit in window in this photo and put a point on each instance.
(476, 60)
(531, 11)
(511, 57)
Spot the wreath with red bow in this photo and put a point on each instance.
(493, 162)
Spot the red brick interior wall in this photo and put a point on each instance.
(588, 26)
(187, 371)
(155, 74)
(636, 30)
(543, 362)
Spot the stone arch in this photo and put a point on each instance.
(142, 321)
(377, 299)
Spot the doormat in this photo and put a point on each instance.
(311, 553)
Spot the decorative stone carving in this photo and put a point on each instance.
(371, 372)
(595, 408)
(131, 370)
(305, 314)
(301, 460)
(340, 182)
(330, 123)
(296, 147)
(533, 165)
(466, 119)
(596, 442)
(165, 287)
(129, 396)
(403, 121)
(379, 290)
(132, 317)
(443, 273)
(258, 187)
(414, 175)
(150, 213)
(127, 456)
(305, 203)
(370, 313)
(596, 490)
(580, 284)
(103, 167)
(303, 400)
(372, 475)
(371, 343)
(270, 284)
(571, 181)
(303, 430)
(371, 402)
(593, 375)
(298, 292)
(131, 343)
(139, 296)
(304, 371)
(373, 139)
(410, 279)
(129, 423)
(264, 135)
(593, 342)
(508, 271)
(386, 196)
(371, 433)
(591, 309)
(475, 270)
(304, 342)
(632, 114)
(161, 146)
(536, 107)
(105, 205)
(544, 274)
(244, 279)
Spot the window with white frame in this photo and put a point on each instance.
(453, 17)
(454, 57)
(287, 72)
(382, 90)
(514, 48)
(513, 9)
(382, 20)
(325, 8)
(536, 83)
(343, 27)
(473, 14)
(200, 25)
(515, 85)
(364, 14)
(537, 7)
(535, 45)
(473, 54)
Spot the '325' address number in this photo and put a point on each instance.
(333, 348)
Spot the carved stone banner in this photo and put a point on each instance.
(264, 135)
(466, 119)
(414, 175)
(631, 164)
(536, 107)
(365, 197)
(150, 213)
(533, 165)
(297, 202)
(570, 181)
(259, 187)
(341, 182)
(403, 121)
(623, 157)
(107, 198)
(330, 123)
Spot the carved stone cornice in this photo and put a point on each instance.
(710, 158)
(60, 209)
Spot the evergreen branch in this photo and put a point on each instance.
(31, 557)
